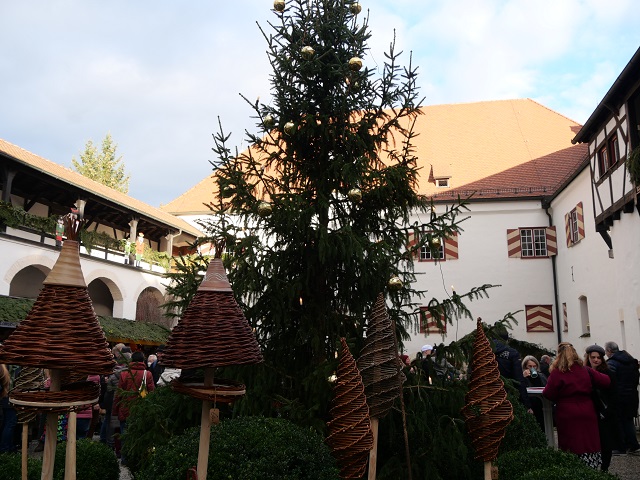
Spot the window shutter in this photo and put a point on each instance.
(580, 215)
(539, 318)
(513, 243)
(412, 240)
(552, 245)
(429, 325)
(565, 319)
(567, 228)
(451, 247)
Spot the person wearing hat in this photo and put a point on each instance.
(427, 363)
(625, 372)
(139, 248)
(607, 407)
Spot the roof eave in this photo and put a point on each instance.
(613, 98)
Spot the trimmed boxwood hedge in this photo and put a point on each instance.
(250, 448)
(11, 467)
(94, 461)
(546, 464)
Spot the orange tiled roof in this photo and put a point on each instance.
(464, 142)
(68, 176)
(541, 177)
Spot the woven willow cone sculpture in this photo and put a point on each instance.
(62, 326)
(487, 411)
(213, 331)
(378, 362)
(30, 378)
(350, 437)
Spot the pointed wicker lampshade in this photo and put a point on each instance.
(213, 331)
(62, 330)
(378, 362)
(350, 437)
(487, 411)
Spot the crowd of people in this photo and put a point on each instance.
(595, 398)
(133, 376)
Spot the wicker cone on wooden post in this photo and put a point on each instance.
(350, 437)
(381, 372)
(487, 411)
(213, 332)
(61, 327)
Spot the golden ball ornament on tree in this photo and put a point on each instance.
(436, 242)
(355, 63)
(355, 8)
(278, 5)
(268, 121)
(395, 283)
(265, 209)
(289, 128)
(307, 52)
(355, 195)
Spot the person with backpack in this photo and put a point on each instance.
(135, 382)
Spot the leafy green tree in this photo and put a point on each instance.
(316, 212)
(103, 166)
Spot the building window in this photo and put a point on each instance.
(533, 242)
(608, 155)
(574, 225)
(426, 252)
(442, 182)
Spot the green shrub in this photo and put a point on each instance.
(94, 461)
(545, 464)
(11, 467)
(154, 420)
(523, 432)
(248, 448)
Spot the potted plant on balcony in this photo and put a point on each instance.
(633, 165)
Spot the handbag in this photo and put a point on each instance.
(598, 402)
(142, 391)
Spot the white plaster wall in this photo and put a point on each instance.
(125, 283)
(483, 259)
(611, 286)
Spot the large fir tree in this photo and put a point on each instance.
(316, 212)
(103, 166)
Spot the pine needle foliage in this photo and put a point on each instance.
(307, 257)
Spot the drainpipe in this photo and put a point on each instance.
(555, 277)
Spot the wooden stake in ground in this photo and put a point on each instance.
(381, 371)
(205, 428)
(487, 411)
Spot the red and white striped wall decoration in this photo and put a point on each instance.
(539, 318)
(552, 243)
(565, 320)
(513, 243)
(412, 240)
(451, 247)
(580, 216)
(428, 324)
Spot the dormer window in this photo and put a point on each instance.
(442, 182)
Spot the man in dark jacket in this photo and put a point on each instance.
(625, 371)
(510, 366)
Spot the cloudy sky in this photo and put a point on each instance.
(158, 74)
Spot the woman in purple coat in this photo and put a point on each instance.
(570, 385)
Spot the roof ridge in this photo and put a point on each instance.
(553, 111)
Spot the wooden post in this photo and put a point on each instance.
(70, 457)
(49, 453)
(205, 429)
(487, 470)
(25, 449)
(373, 453)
